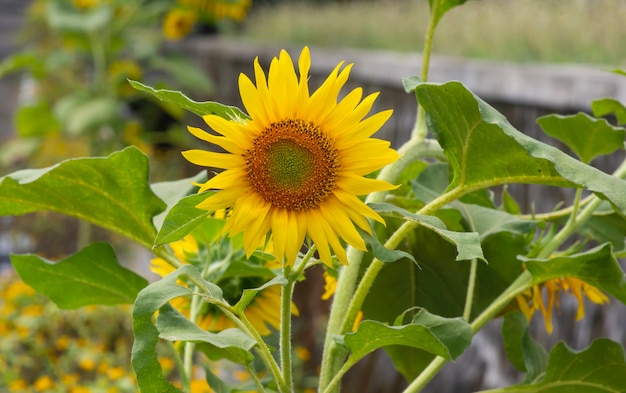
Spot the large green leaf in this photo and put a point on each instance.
(439, 285)
(112, 192)
(199, 108)
(231, 344)
(598, 369)
(35, 120)
(149, 300)
(523, 351)
(606, 227)
(484, 150)
(597, 267)
(588, 137)
(91, 276)
(446, 337)
(488, 222)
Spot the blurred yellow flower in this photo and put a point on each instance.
(80, 389)
(295, 170)
(302, 353)
(330, 285)
(43, 383)
(19, 385)
(532, 299)
(178, 23)
(87, 364)
(70, 379)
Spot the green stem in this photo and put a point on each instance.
(190, 346)
(285, 315)
(420, 130)
(264, 352)
(471, 285)
(334, 383)
(285, 330)
(255, 378)
(523, 282)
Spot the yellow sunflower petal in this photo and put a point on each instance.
(225, 143)
(358, 185)
(211, 159)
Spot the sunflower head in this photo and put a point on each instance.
(178, 23)
(296, 169)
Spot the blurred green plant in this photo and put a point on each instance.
(75, 99)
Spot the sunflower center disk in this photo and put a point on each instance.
(293, 164)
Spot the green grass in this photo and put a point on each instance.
(574, 31)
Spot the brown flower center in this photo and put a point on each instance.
(293, 164)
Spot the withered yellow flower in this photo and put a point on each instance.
(296, 168)
(532, 300)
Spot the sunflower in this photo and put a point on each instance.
(263, 311)
(532, 300)
(295, 169)
(178, 23)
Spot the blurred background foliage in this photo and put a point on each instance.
(574, 31)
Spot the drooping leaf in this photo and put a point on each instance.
(231, 344)
(484, 150)
(523, 351)
(112, 192)
(606, 106)
(586, 136)
(382, 253)
(446, 337)
(597, 267)
(26, 59)
(81, 112)
(90, 277)
(600, 368)
(467, 243)
(64, 17)
(199, 108)
(144, 356)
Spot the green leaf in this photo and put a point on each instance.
(199, 108)
(588, 137)
(79, 112)
(599, 368)
(112, 192)
(411, 82)
(509, 204)
(446, 337)
(24, 60)
(522, 350)
(442, 7)
(467, 243)
(171, 192)
(182, 218)
(91, 276)
(231, 344)
(606, 227)
(488, 222)
(185, 73)
(35, 120)
(484, 150)
(597, 267)
(606, 106)
(62, 16)
(382, 253)
(249, 294)
(152, 298)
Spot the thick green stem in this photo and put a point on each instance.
(471, 284)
